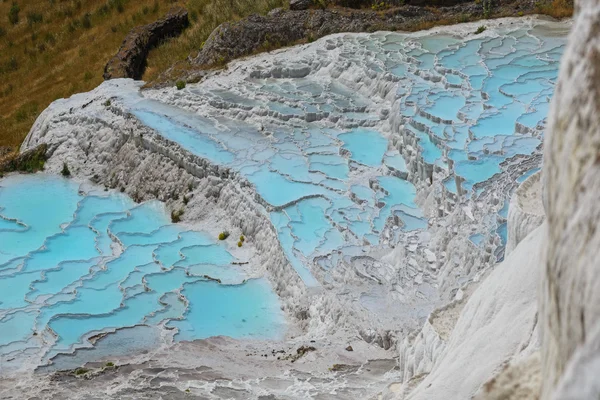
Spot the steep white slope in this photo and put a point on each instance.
(526, 211)
(570, 298)
(497, 324)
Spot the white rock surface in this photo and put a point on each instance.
(526, 211)
(570, 297)
(496, 324)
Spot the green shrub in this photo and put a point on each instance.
(29, 161)
(176, 216)
(107, 103)
(180, 85)
(110, 364)
(65, 170)
(480, 30)
(34, 18)
(242, 239)
(87, 76)
(2, 31)
(223, 235)
(81, 371)
(13, 13)
(487, 8)
(10, 65)
(240, 243)
(86, 21)
(50, 38)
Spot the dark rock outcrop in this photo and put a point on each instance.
(286, 27)
(29, 161)
(130, 61)
(300, 4)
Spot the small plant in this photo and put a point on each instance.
(242, 239)
(81, 371)
(110, 364)
(379, 6)
(176, 216)
(34, 18)
(185, 200)
(107, 103)
(481, 29)
(86, 21)
(487, 8)
(65, 170)
(180, 85)
(13, 13)
(223, 235)
(240, 243)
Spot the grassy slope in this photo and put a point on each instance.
(55, 50)
(41, 61)
(64, 53)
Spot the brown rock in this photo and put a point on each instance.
(130, 61)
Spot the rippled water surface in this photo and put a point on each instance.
(76, 265)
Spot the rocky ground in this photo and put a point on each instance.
(282, 28)
(130, 60)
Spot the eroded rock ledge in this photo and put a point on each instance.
(130, 60)
(284, 27)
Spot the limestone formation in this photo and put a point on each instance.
(570, 292)
(455, 326)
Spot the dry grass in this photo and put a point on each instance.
(555, 8)
(58, 47)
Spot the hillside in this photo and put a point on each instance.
(55, 48)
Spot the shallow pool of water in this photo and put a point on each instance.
(87, 264)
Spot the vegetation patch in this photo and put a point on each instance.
(29, 161)
(555, 8)
(81, 371)
(65, 170)
(176, 215)
(223, 235)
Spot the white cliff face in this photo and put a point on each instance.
(497, 324)
(525, 212)
(570, 292)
